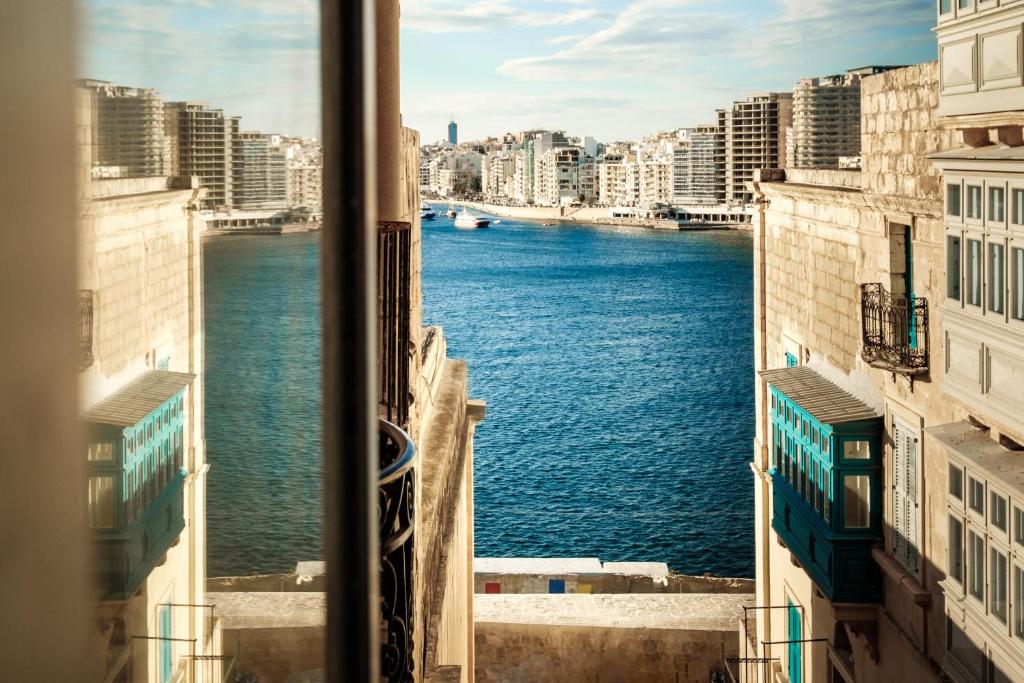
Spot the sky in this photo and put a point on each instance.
(612, 69)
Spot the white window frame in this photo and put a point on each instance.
(905, 494)
(1004, 537)
(958, 181)
(970, 529)
(976, 517)
(969, 182)
(1015, 242)
(998, 184)
(978, 236)
(1013, 185)
(1001, 240)
(961, 583)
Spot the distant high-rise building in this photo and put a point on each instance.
(259, 170)
(453, 132)
(201, 145)
(699, 172)
(755, 138)
(128, 138)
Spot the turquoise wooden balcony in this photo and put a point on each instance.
(827, 482)
(136, 479)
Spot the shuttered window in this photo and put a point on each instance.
(904, 495)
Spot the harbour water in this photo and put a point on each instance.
(616, 364)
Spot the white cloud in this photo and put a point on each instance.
(446, 16)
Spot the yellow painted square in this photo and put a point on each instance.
(583, 588)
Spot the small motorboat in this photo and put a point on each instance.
(468, 220)
(451, 213)
(427, 212)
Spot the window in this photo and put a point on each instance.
(996, 277)
(953, 200)
(1018, 525)
(1017, 210)
(997, 511)
(956, 481)
(976, 565)
(974, 272)
(1018, 602)
(1017, 283)
(904, 495)
(795, 648)
(101, 502)
(856, 505)
(166, 661)
(953, 267)
(791, 360)
(997, 204)
(826, 483)
(974, 202)
(956, 550)
(856, 450)
(977, 496)
(963, 4)
(101, 451)
(997, 584)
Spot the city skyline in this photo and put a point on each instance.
(556, 64)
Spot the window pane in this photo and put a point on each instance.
(976, 565)
(974, 201)
(953, 199)
(997, 585)
(998, 511)
(996, 277)
(856, 450)
(953, 267)
(956, 481)
(963, 4)
(1018, 602)
(101, 451)
(1018, 525)
(1017, 217)
(856, 508)
(101, 502)
(977, 496)
(974, 272)
(956, 549)
(1017, 283)
(996, 204)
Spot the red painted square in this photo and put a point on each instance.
(492, 587)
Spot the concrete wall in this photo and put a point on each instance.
(612, 583)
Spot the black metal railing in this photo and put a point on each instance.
(895, 330)
(395, 510)
(85, 306)
(394, 247)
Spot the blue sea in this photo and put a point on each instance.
(617, 366)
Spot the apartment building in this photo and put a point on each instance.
(698, 174)
(655, 172)
(890, 349)
(755, 138)
(129, 139)
(563, 174)
(202, 146)
(141, 384)
(259, 172)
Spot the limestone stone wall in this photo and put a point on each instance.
(612, 583)
(822, 240)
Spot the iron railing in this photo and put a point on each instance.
(895, 330)
(85, 306)
(395, 510)
(394, 247)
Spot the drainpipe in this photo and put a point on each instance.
(761, 363)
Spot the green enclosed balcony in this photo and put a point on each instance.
(136, 478)
(827, 482)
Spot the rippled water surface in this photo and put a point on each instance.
(616, 364)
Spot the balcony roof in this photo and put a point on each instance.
(130, 404)
(978, 448)
(823, 399)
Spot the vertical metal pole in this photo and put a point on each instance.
(349, 340)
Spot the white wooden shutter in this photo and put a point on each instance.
(904, 495)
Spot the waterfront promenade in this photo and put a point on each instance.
(588, 214)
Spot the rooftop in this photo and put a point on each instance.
(137, 399)
(824, 400)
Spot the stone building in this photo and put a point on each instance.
(889, 336)
(141, 384)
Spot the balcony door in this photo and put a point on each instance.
(795, 647)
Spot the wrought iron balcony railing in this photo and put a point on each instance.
(895, 330)
(395, 510)
(394, 248)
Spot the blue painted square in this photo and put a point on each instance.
(556, 586)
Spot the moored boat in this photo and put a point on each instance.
(468, 220)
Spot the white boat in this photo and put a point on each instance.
(468, 220)
(427, 212)
(451, 213)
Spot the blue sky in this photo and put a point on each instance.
(614, 69)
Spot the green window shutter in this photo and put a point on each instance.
(795, 649)
(165, 644)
